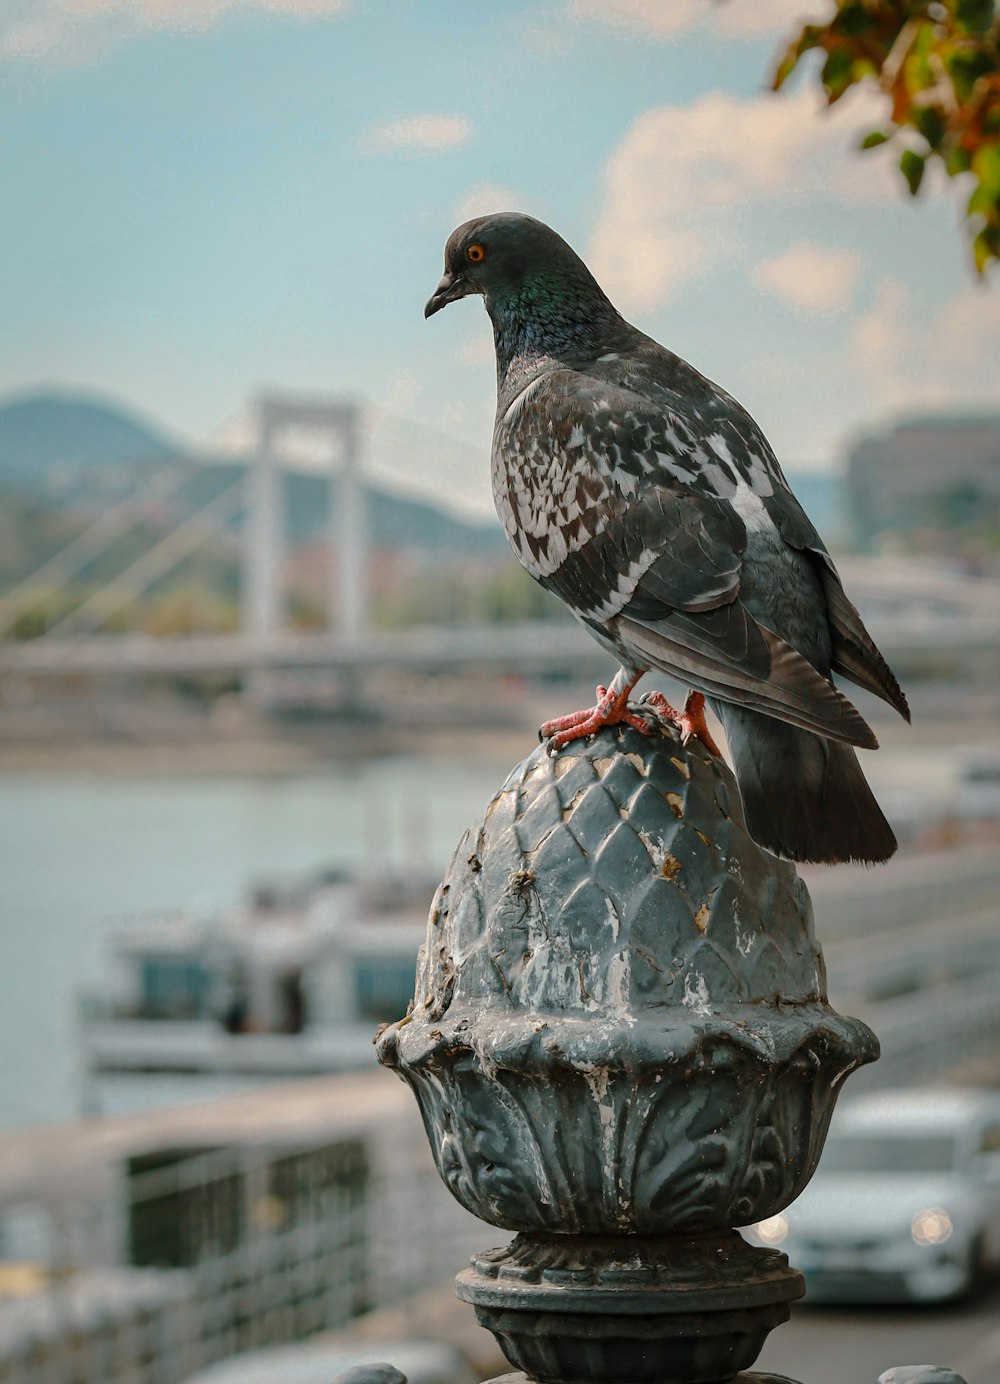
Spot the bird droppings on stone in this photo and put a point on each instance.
(676, 805)
(702, 914)
(744, 941)
(696, 994)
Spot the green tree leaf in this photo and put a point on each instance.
(976, 15)
(838, 73)
(936, 65)
(912, 166)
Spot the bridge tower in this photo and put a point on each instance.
(347, 604)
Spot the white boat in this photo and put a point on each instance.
(292, 982)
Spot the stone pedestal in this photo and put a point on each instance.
(622, 1050)
(519, 1377)
(637, 1308)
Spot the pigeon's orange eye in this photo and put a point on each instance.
(476, 253)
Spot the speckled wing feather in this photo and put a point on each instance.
(643, 496)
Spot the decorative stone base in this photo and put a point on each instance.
(617, 1310)
(519, 1378)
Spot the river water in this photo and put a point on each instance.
(76, 849)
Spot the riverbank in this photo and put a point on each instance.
(169, 734)
(482, 719)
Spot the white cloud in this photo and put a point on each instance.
(948, 358)
(895, 355)
(881, 342)
(677, 182)
(966, 337)
(419, 134)
(73, 30)
(812, 278)
(750, 18)
(641, 263)
(27, 38)
(305, 8)
(667, 18)
(180, 13)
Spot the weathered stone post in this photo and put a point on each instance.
(622, 1049)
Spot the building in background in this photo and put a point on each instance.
(932, 474)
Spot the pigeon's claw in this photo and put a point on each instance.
(611, 709)
(693, 723)
(690, 722)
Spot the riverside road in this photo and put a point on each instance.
(852, 1345)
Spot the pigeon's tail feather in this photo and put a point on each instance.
(804, 797)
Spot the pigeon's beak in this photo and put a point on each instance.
(452, 286)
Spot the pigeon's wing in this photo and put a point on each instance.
(712, 427)
(854, 654)
(639, 529)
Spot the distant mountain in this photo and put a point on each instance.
(394, 521)
(45, 431)
(69, 452)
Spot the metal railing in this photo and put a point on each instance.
(925, 1036)
(211, 1253)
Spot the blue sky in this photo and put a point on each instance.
(202, 197)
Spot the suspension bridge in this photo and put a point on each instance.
(921, 616)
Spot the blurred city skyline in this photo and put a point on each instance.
(211, 195)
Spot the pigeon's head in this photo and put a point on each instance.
(497, 256)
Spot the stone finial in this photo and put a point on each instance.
(622, 1048)
(610, 953)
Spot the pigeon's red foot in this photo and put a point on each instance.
(690, 721)
(611, 710)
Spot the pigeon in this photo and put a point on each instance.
(651, 503)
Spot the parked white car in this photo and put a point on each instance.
(905, 1204)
